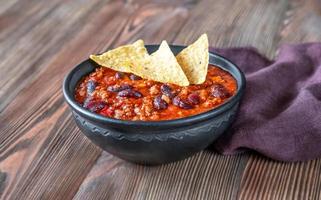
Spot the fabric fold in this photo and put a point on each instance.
(280, 114)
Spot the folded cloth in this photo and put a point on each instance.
(280, 114)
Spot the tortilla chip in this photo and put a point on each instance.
(163, 67)
(123, 57)
(194, 60)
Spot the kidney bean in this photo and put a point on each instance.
(165, 89)
(219, 91)
(87, 100)
(177, 101)
(194, 98)
(129, 93)
(95, 106)
(159, 103)
(134, 77)
(91, 85)
(119, 75)
(118, 88)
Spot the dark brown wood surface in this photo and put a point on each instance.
(43, 155)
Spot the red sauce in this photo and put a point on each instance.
(128, 97)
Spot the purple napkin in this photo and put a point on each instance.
(280, 115)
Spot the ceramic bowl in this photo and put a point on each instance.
(155, 142)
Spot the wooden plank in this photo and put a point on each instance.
(302, 22)
(237, 23)
(15, 24)
(152, 22)
(47, 163)
(266, 179)
(29, 42)
(176, 3)
(34, 127)
(199, 177)
(6, 5)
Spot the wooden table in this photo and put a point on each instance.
(43, 155)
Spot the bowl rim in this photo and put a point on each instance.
(68, 95)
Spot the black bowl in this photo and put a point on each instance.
(154, 142)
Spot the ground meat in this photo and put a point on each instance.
(128, 97)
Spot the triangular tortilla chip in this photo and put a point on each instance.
(194, 60)
(162, 66)
(123, 57)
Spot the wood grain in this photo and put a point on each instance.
(203, 176)
(25, 135)
(43, 155)
(267, 179)
(302, 22)
(36, 36)
(237, 23)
